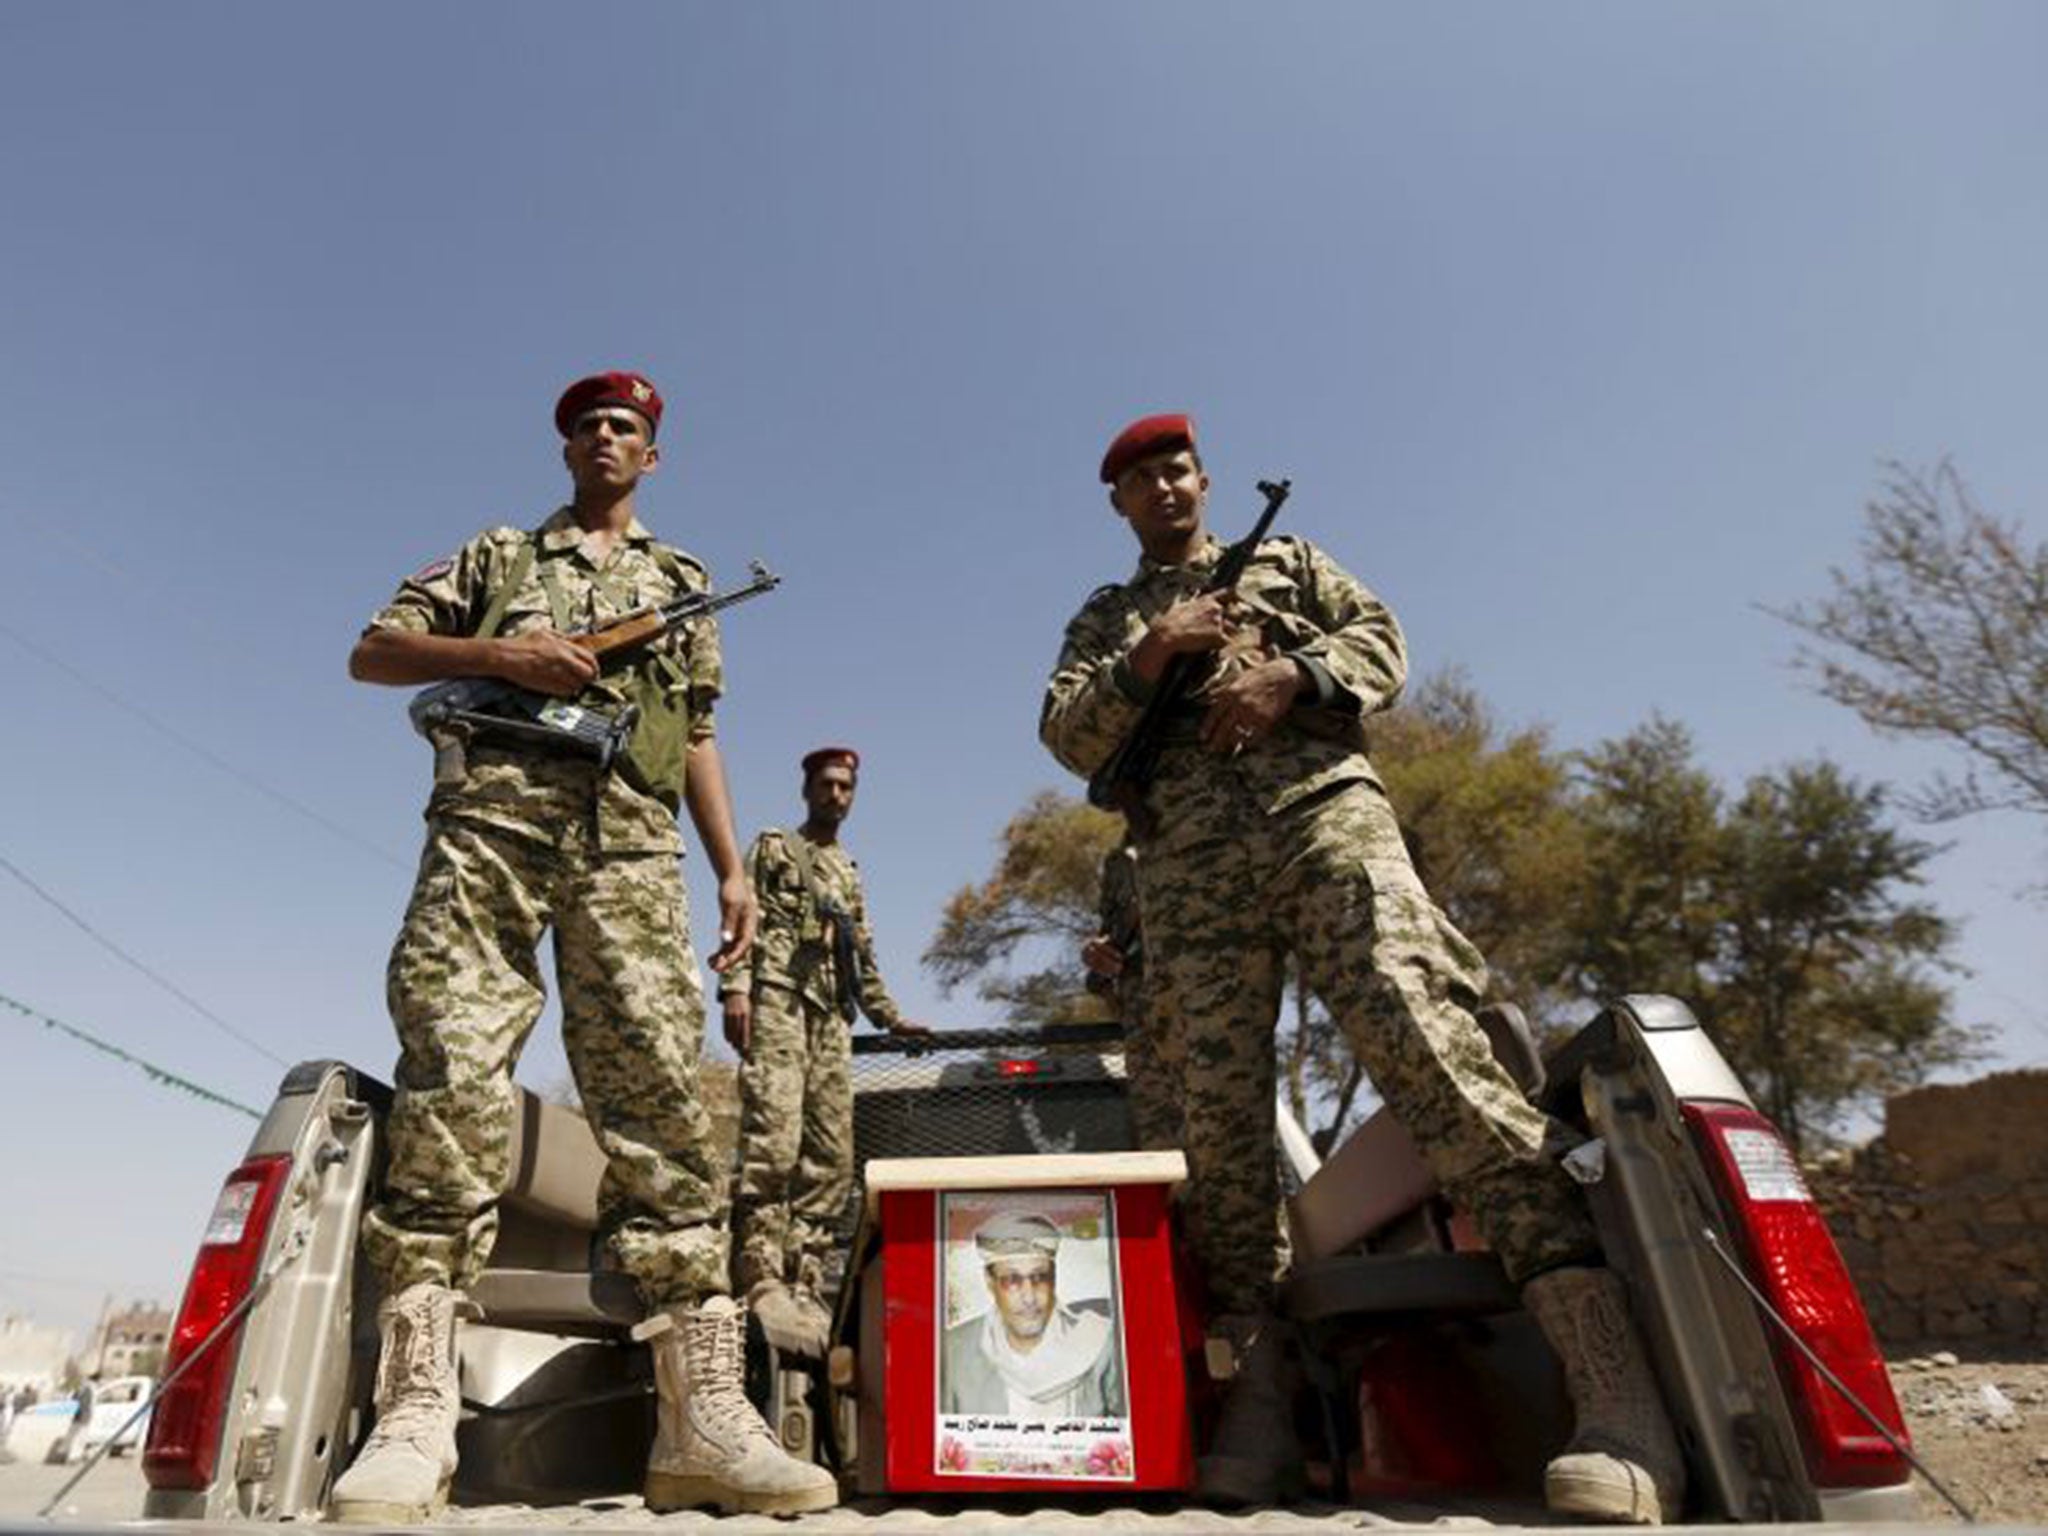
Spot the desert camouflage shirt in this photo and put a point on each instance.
(1300, 604)
(538, 794)
(794, 947)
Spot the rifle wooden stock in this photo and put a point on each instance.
(473, 704)
(634, 629)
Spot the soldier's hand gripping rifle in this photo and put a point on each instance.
(1120, 783)
(489, 706)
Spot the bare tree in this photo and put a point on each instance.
(1943, 633)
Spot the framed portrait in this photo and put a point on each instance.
(1031, 1356)
(1028, 1334)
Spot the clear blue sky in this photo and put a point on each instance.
(1581, 328)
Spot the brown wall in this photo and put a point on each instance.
(1944, 1218)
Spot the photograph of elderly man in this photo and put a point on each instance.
(1033, 1354)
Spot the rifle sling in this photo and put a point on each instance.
(845, 955)
(501, 599)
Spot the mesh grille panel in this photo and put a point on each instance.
(958, 1103)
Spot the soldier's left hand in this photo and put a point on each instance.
(737, 919)
(1102, 957)
(1249, 705)
(738, 1010)
(914, 1036)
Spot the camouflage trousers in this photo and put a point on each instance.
(1228, 894)
(465, 990)
(1153, 1067)
(796, 1140)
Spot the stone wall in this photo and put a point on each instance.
(1944, 1218)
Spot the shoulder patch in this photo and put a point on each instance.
(428, 572)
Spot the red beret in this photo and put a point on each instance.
(1143, 438)
(631, 390)
(825, 756)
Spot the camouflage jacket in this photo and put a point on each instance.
(1302, 605)
(795, 948)
(540, 795)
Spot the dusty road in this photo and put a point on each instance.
(112, 1491)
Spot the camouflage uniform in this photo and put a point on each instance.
(1290, 846)
(1152, 1065)
(796, 1090)
(519, 841)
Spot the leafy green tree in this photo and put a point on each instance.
(1943, 634)
(1785, 921)
(1647, 916)
(1035, 911)
(1825, 994)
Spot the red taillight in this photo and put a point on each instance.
(184, 1430)
(1794, 1262)
(1017, 1066)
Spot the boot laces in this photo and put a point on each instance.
(718, 1399)
(412, 1378)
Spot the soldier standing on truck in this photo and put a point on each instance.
(1115, 958)
(788, 1011)
(521, 840)
(1272, 836)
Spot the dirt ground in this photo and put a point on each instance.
(1981, 1427)
(1990, 1451)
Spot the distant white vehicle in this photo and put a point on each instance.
(38, 1432)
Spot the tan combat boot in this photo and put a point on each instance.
(401, 1475)
(1623, 1464)
(710, 1447)
(1253, 1457)
(786, 1322)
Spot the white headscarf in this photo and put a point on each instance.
(1041, 1383)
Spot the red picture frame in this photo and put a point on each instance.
(1150, 1317)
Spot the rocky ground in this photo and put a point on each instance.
(1981, 1427)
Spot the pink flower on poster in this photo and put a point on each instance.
(1110, 1458)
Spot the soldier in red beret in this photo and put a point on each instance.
(789, 1012)
(1272, 840)
(520, 841)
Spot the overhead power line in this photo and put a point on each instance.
(122, 955)
(207, 755)
(150, 1069)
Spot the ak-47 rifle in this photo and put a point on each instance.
(1120, 783)
(489, 706)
